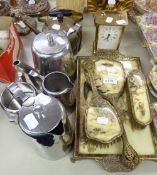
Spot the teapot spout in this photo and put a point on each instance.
(33, 75)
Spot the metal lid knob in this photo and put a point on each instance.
(50, 40)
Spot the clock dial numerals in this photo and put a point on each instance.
(108, 37)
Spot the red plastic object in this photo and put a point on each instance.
(12, 52)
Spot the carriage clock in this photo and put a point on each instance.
(110, 27)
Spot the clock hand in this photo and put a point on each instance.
(108, 36)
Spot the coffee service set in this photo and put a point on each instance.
(40, 107)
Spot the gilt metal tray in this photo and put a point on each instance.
(89, 149)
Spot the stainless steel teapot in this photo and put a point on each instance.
(52, 52)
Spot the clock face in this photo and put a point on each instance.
(108, 37)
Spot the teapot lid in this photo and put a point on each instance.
(51, 42)
(42, 117)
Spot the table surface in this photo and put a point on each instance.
(17, 154)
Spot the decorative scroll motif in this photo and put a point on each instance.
(128, 161)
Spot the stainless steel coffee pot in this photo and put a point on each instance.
(52, 52)
(47, 124)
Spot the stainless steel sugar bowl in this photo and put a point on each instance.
(52, 52)
(13, 97)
